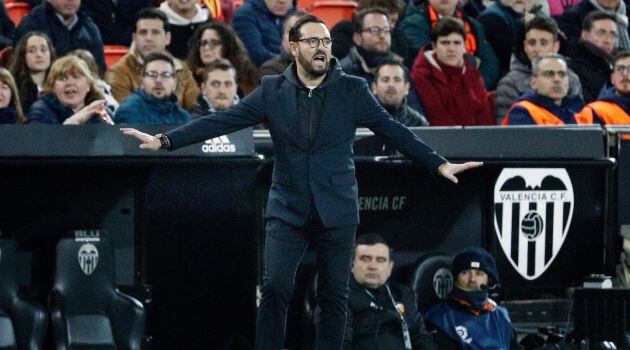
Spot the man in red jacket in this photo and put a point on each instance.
(448, 81)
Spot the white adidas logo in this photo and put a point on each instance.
(219, 144)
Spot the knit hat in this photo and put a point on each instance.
(476, 258)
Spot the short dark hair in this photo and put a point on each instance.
(390, 6)
(359, 16)
(297, 13)
(151, 13)
(218, 64)
(158, 56)
(620, 56)
(294, 33)
(595, 16)
(544, 24)
(372, 239)
(447, 26)
(392, 63)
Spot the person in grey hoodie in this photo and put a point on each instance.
(541, 37)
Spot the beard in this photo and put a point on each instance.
(308, 66)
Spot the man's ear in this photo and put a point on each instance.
(356, 38)
(374, 88)
(293, 48)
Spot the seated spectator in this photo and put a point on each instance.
(548, 104)
(391, 88)
(151, 34)
(591, 57)
(613, 106)
(557, 7)
(106, 89)
(70, 96)
(571, 21)
(502, 21)
(67, 27)
(115, 18)
(184, 16)
(420, 20)
(343, 31)
(218, 40)
(218, 90)
(30, 63)
(278, 64)
(541, 37)
(7, 29)
(10, 108)
(450, 86)
(259, 24)
(155, 101)
(382, 314)
(469, 319)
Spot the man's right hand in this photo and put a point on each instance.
(147, 141)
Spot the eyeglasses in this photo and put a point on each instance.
(377, 30)
(155, 75)
(601, 33)
(622, 69)
(552, 73)
(315, 42)
(210, 43)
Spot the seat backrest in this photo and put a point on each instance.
(432, 279)
(332, 11)
(17, 11)
(113, 53)
(84, 273)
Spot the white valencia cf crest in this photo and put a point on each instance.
(533, 209)
(88, 258)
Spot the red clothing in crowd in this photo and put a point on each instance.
(451, 95)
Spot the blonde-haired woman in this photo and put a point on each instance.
(70, 96)
(10, 108)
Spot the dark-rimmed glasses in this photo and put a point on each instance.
(315, 42)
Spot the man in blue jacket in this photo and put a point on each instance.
(67, 27)
(312, 112)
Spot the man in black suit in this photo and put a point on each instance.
(312, 111)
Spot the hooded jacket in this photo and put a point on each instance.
(316, 176)
(593, 66)
(565, 112)
(142, 108)
(516, 82)
(259, 29)
(451, 95)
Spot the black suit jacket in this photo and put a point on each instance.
(320, 174)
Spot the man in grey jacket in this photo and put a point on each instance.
(541, 37)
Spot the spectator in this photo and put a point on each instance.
(571, 21)
(613, 106)
(155, 102)
(184, 16)
(343, 31)
(541, 37)
(105, 88)
(419, 21)
(151, 34)
(115, 18)
(278, 64)
(382, 314)
(10, 108)
(259, 24)
(450, 86)
(591, 57)
(502, 21)
(557, 7)
(217, 40)
(218, 90)
(391, 87)
(469, 319)
(7, 29)
(67, 27)
(548, 104)
(30, 63)
(70, 96)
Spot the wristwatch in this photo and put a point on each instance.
(165, 143)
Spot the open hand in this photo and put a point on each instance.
(147, 141)
(449, 170)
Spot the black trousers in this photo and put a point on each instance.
(285, 246)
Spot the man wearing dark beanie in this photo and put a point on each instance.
(469, 319)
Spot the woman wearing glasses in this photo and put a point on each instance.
(70, 96)
(218, 40)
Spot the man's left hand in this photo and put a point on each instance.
(449, 170)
